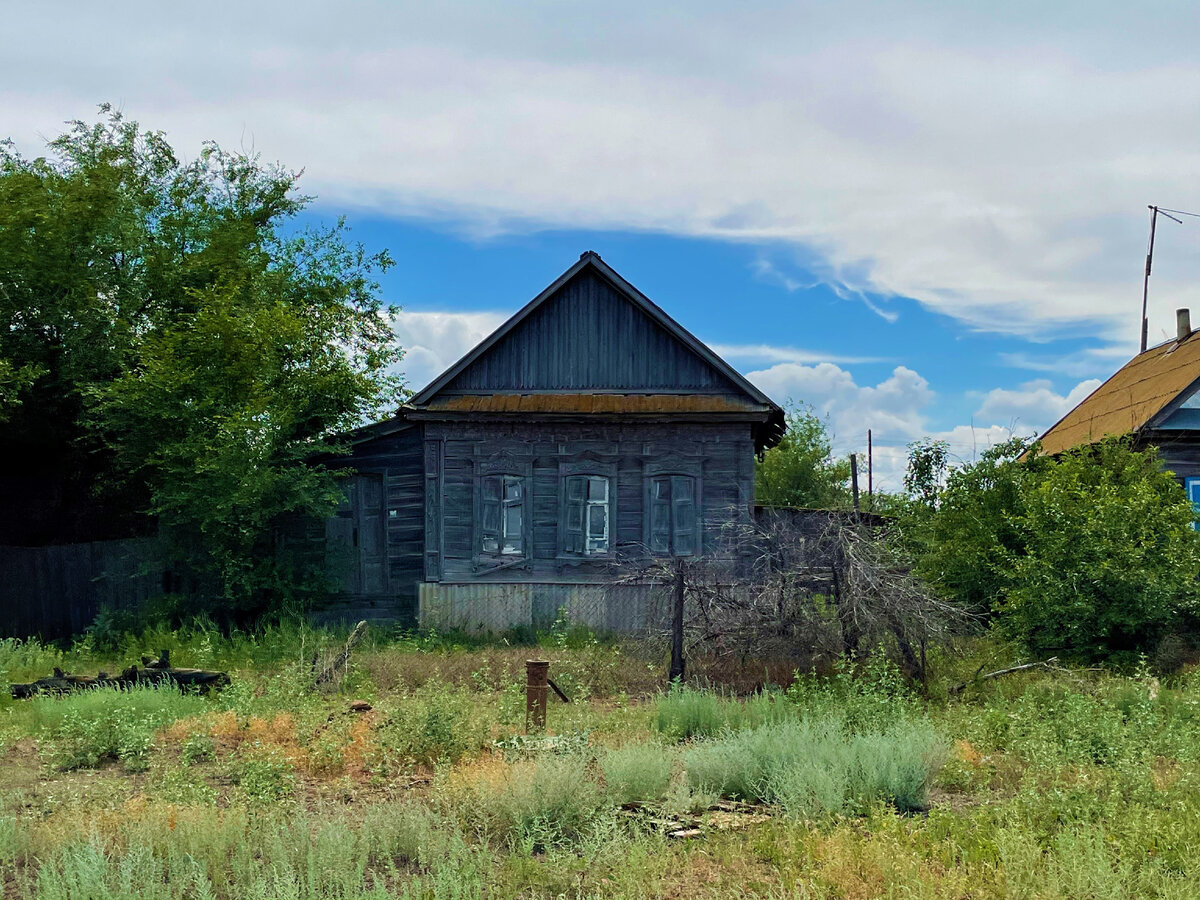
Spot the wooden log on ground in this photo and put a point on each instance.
(160, 673)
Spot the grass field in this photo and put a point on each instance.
(1055, 784)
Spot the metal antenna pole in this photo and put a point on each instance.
(1146, 280)
(1154, 211)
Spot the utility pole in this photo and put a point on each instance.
(1154, 211)
(870, 470)
(854, 478)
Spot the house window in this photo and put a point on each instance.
(1192, 486)
(672, 511)
(587, 515)
(502, 515)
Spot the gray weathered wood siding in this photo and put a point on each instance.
(398, 459)
(1178, 450)
(720, 456)
(590, 337)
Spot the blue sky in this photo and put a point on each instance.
(920, 217)
(764, 309)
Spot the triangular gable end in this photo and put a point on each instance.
(591, 331)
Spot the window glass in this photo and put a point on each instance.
(672, 512)
(1192, 486)
(502, 517)
(587, 514)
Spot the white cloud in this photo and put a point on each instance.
(433, 341)
(894, 409)
(992, 161)
(897, 410)
(1034, 406)
(771, 353)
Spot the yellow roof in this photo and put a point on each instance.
(1130, 398)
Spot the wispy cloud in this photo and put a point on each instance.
(992, 164)
(768, 353)
(766, 270)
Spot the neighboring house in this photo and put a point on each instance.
(1155, 397)
(587, 433)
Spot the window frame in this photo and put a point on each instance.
(673, 466)
(1191, 487)
(504, 468)
(588, 470)
(672, 504)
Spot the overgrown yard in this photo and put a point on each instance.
(1040, 784)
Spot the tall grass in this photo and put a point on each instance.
(811, 768)
(549, 802)
(637, 772)
(90, 727)
(683, 712)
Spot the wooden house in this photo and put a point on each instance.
(1155, 398)
(588, 431)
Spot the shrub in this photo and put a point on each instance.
(1110, 558)
(637, 772)
(684, 712)
(90, 727)
(437, 722)
(812, 768)
(550, 802)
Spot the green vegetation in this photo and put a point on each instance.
(176, 351)
(1049, 784)
(1090, 556)
(801, 470)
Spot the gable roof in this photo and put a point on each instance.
(1135, 398)
(590, 260)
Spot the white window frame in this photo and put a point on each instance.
(1192, 487)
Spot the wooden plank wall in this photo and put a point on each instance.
(1179, 451)
(723, 454)
(481, 608)
(55, 592)
(589, 337)
(398, 458)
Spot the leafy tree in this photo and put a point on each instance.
(1109, 559)
(928, 461)
(966, 544)
(170, 349)
(801, 470)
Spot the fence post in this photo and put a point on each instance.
(676, 671)
(536, 685)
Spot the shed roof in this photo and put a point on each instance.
(1133, 398)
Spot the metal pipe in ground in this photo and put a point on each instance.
(537, 686)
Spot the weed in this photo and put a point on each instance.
(637, 772)
(91, 727)
(197, 748)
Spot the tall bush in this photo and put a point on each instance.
(1110, 558)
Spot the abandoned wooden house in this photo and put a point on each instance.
(588, 430)
(1155, 398)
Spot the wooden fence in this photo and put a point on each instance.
(55, 592)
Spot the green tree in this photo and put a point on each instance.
(928, 462)
(1109, 560)
(964, 543)
(173, 354)
(801, 470)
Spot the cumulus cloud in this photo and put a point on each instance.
(1033, 405)
(897, 412)
(894, 409)
(433, 341)
(992, 161)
